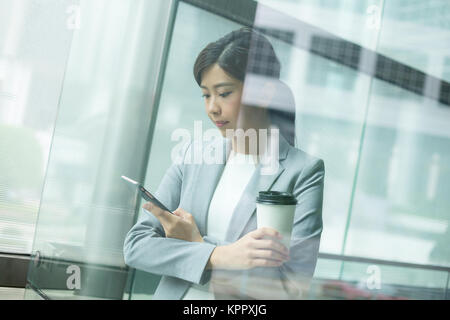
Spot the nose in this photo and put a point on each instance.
(213, 106)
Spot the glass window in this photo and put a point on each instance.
(383, 148)
(101, 132)
(33, 58)
(98, 98)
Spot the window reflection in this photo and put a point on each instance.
(370, 84)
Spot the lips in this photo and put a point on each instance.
(221, 123)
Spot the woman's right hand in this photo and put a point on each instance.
(259, 248)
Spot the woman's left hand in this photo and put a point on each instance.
(180, 225)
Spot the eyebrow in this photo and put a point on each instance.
(222, 84)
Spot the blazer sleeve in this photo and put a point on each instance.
(307, 230)
(146, 247)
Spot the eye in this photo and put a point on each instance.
(225, 94)
(205, 96)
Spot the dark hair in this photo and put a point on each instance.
(246, 51)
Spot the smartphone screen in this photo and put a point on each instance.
(145, 194)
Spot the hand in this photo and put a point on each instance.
(180, 225)
(259, 248)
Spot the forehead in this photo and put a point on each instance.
(215, 75)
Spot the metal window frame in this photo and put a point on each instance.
(14, 269)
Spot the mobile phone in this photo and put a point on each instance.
(146, 194)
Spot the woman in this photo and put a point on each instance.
(211, 248)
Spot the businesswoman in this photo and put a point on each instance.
(211, 247)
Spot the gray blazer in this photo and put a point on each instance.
(191, 187)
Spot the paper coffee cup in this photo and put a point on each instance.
(276, 210)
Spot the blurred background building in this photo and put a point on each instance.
(92, 89)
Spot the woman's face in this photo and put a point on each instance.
(222, 95)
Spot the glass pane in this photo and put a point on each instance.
(417, 33)
(180, 105)
(34, 46)
(376, 281)
(330, 97)
(358, 21)
(385, 143)
(401, 205)
(101, 133)
(328, 125)
(327, 271)
(388, 282)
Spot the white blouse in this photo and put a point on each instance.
(238, 170)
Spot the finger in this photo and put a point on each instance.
(272, 245)
(178, 213)
(183, 214)
(270, 254)
(147, 206)
(159, 213)
(266, 231)
(152, 208)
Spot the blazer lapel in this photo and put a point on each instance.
(210, 174)
(246, 206)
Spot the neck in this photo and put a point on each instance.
(251, 144)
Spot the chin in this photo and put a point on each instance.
(222, 132)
